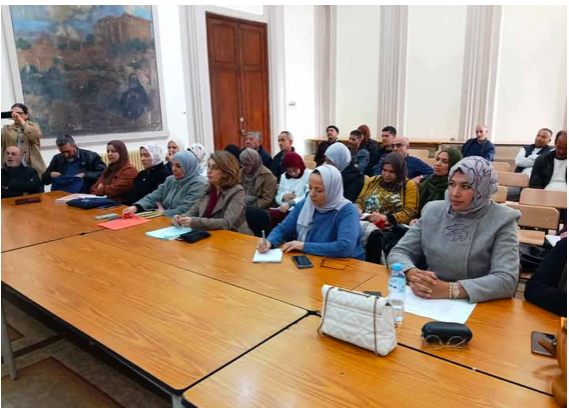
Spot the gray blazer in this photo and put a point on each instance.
(176, 197)
(228, 214)
(480, 253)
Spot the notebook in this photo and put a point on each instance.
(271, 256)
(168, 233)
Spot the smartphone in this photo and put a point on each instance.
(302, 262)
(369, 292)
(30, 200)
(536, 347)
(7, 115)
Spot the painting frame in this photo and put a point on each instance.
(92, 139)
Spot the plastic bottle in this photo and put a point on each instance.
(397, 292)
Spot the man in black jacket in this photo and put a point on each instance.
(550, 170)
(285, 144)
(18, 179)
(74, 162)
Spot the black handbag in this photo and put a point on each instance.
(194, 236)
(92, 202)
(531, 256)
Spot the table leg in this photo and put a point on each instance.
(177, 401)
(7, 347)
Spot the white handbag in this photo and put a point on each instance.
(367, 321)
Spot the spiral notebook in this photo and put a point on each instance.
(271, 256)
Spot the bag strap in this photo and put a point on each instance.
(319, 330)
(375, 326)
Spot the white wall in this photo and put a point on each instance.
(435, 54)
(357, 63)
(532, 72)
(299, 74)
(174, 89)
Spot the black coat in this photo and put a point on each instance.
(543, 170)
(277, 165)
(91, 165)
(17, 181)
(146, 182)
(353, 182)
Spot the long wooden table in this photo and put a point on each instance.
(227, 256)
(501, 342)
(170, 325)
(31, 224)
(299, 369)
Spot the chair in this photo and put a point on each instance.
(258, 220)
(133, 156)
(421, 154)
(509, 179)
(546, 198)
(543, 218)
(309, 157)
(500, 195)
(310, 164)
(430, 162)
(501, 166)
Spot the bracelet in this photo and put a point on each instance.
(450, 290)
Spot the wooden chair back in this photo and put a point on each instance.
(430, 162)
(501, 166)
(545, 198)
(500, 195)
(420, 153)
(546, 218)
(509, 179)
(310, 164)
(133, 156)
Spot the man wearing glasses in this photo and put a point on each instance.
(25, 135)
(417, 169)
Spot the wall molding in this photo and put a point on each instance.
(325, 66)
(392, 73)
(480, 72)
(277, 73)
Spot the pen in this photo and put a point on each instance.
(264, 238)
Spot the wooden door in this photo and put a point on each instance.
(239, 80)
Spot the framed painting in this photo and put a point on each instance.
(92, 71)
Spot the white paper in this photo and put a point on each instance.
(63, 200)
(168, 233)
(271, 256)
(444, 310)
(553, 239)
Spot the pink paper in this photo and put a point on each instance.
(123, 223)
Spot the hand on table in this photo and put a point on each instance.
(293, 246)
(262, 247)
(100, 189)
(422, 283)
(284, 208)
(182, 221)
(160, 209)
(129, 210)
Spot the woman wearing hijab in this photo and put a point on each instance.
(117, 179)
(293, 186)
(179, 192)
(469, 242)
(339, 156)
(199, 150)
(259, 182)
(174, 146)
(388, 199)
(324, 224)
(154, 174)
(434, 186)
(222, 206)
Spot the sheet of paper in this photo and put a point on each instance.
(444, 310)
(553, 239)
(63, 200)
(123, 223)
(271, 256)
(168, 233)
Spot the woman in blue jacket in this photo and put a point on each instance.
(324, 224)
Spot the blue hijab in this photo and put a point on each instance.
(189, 163)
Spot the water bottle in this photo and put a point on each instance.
(397, 292)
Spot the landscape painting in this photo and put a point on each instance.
(88, 70)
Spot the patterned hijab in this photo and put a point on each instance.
(189, 164)
(484, 181)
(155, 152)
(433, 187)
(340, 155)
(334, 188)
(110, 171)
(400, 167)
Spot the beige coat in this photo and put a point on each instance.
(265, 188)
(228, 214)
(31, 136)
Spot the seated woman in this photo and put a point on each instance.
(389, 199)
(547, 287)
(469, 242)
(148, 180)
(434, 186)
(324, 224)
(179, 192)
(174, 146)
(222, 207)
(199, 150)
(117, 179)
(259, 182)
(292, 188)
(339, 156)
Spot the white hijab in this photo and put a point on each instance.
(334, 188)
(340, 155)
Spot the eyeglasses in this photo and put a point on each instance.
(398, 145)
(332, 264)
(436, 343)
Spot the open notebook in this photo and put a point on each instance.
(271, 256)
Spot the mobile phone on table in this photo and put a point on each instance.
(538, 348)
(302, 261)
(30, 200)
